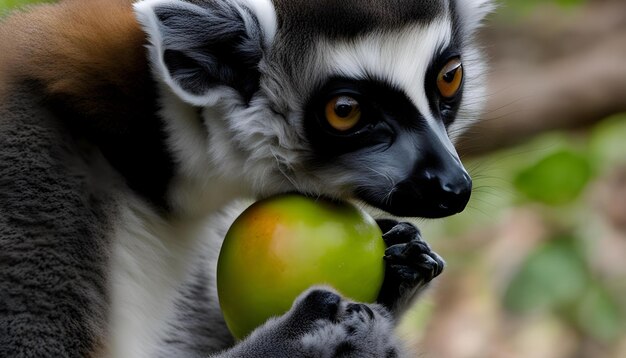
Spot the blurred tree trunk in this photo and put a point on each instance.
(557, 69)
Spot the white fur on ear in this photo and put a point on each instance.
(266, 15)
(472, 13)
(195, 74)
(146, 15)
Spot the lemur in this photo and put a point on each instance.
(126, 129)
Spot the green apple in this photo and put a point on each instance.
(283, 245)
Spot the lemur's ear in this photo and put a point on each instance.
(201, 51)
(472, 12)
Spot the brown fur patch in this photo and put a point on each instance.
(90, 53)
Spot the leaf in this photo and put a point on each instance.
(607, 143)
(598, 314)
(553, 276)
(528, 6)
(7, 4)
(557, 179)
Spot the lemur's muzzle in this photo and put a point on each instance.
(438, 184)
(440, 190)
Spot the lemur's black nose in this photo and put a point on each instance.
(449, 193)
(432, 193)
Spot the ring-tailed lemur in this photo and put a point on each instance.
(125, 129)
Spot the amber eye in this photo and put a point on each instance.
(450, 78)
(343, 113)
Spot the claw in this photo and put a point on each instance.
(407, 253)
(394, 253)
(353, 308)
(429, 267)
(440, 262)
(369, 311)
(415, 248)
(358, 308)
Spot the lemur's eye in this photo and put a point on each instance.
(343, 113)
(450, 78)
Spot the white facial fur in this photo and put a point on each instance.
(266, 15)
(400, 57)
(260, 148)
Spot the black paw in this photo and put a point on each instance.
(410, 263)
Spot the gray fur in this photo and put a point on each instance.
(55, 218)
(322, 324)
(198, 327)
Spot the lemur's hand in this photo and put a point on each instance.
(410, 264)
(322, 324)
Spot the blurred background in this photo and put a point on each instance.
(537, 262)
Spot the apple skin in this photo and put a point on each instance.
(280, 246)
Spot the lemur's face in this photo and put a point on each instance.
(345, 99)
(375, 104)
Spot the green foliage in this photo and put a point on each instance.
(514, 10)
(556, 179)
(556, 278)
(552, 277)
(531, 4)
(598, 314)
(8, 4)
(607, 142)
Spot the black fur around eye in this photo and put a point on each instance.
(347, 115)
